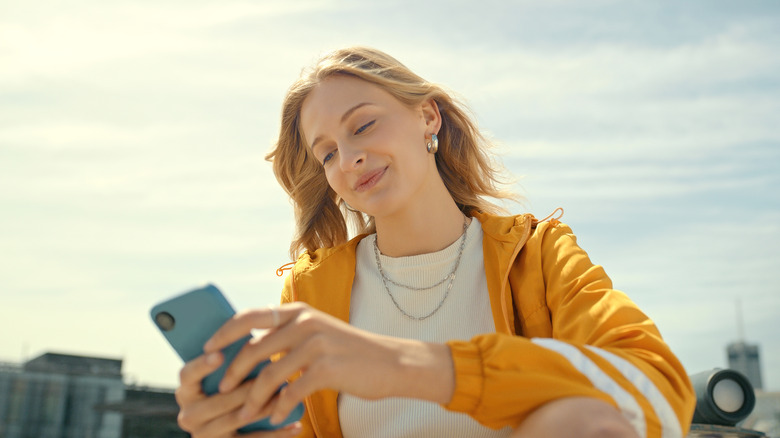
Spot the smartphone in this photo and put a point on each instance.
(189, 320)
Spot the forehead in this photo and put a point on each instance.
(331, 98)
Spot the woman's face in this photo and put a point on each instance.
(372, 146)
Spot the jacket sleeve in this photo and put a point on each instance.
(580, 338)
(288, 297)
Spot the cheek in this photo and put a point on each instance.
(335, 180)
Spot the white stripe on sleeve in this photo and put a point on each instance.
(628, 406)
(669, 423)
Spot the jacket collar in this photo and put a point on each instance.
(323, 278)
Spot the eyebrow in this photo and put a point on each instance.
(344, 117)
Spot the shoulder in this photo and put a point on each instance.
(333, 267)
(522, 227)
(327, 257)
(504, 228)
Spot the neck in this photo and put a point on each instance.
(420, 231)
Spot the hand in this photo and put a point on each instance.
(217, 415)
(328, 354)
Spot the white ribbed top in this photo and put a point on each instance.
(464, 314)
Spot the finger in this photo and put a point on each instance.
(265, 412)
(280, 413)
(191, 375)
(243, 323)
(196, 415)
(221, 413)
(277, 373)
(291, 430)
(260, 349)
(294, 393)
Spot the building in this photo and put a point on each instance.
(67, 396)
(744, 357)
(52, 396)
(147, 412)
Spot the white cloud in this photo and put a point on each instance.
(56, 42)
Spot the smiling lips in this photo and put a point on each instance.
(369, 179)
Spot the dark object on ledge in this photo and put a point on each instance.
(723, 397)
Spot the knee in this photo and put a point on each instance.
(580, 417)
(609, 429)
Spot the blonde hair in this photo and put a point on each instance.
(320, 214)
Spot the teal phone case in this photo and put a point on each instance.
(188, 320)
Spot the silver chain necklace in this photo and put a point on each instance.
(450, 277)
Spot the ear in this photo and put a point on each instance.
(432, 116)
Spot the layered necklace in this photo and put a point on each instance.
(449, 277)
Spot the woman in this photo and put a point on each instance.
(440, 318)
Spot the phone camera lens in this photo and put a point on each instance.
(165, 321)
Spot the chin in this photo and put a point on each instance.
(380, 205)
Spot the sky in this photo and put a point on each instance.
(133, 136)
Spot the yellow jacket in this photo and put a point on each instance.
(561, 330)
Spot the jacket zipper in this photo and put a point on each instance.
(306, 401)
(530, 222)
(504, 283)
(314, 425)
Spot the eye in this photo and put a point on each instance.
(328, 157)
(364, 127)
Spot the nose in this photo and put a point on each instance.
(350, 158)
